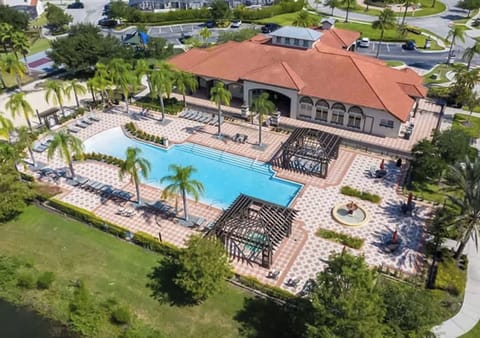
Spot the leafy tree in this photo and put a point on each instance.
(332, 4)
(17, 104)
(203, 268)
(220, 95)
(345, 302)
(386, 20)
(65, 145)
(470, 52)
(17, 19)
(452, 144)
(241, 35)
(20, 44)
(181, 182)
(161, 81)
(157, 48)
(56, 17)
(349, 4)
(219, 9)
(427, 162)
(6, 126)
(185, 82)
(465, 82)
(55, 92)
(456, 32)
(14, 67)
(304, 19)
(262, 106)
(205, 33)
(84, 47)
(469, 5)
(75, 87)
(118, 10)
(6, 32)
(132, 165)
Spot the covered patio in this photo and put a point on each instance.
(308, 151)
(251, 229)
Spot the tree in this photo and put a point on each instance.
(25, 139)
(239, 36)
(56, 17)
(452, 144)
(185, 82)
(75, 87)
(55, 92)
(181, 183)
(65, 145)
(332, 4)
(132, 165)
(406, 3)
(20, 44)
(203, 268)
(465, 82)
(6, 127)
(345, 302)
(16, 19)
(84, 47)
(157, 48)
(455, 32)
(17, 104)
(262, 106)
(304, 19)
(469, 5)
(162, 83)
(219, 9)
(14, 67)
(470, 52)
(122, 77)
(348, 4)
(220, 95)
(205, 33)
(386, 20)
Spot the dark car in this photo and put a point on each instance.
(209, 24)
(105, 22)
(409, 45)
(184, 38)
(270, 27)
(76, 5)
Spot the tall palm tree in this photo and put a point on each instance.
(185, 82)
(132, 165)
(182, 183)
(303, 19)
(13, 67)
(330, 3)
(65, 145)
(470, 52)
(55, 91)
(6, 127)
(406, 3)
(17, 104)
(2, 70)
(220, 95)
(102, 85)
(262, 106)
(348, 4)
(25, 140)
(142, 68)
(20, 44)
(75, 87)
(205, 33)
(386, 20)
(456, 32)
(122, 77)
(161, 81)
(6, 30)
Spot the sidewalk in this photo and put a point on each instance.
(469, 314)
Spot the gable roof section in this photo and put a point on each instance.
(278, 74)
(297, 33)
(340, 38)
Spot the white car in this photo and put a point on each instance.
(364, 42)
(236, 24)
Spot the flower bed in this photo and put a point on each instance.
(350, 241)
(363, 195)
(135, 132)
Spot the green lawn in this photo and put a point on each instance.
(470, 124)
(426, 9)
(39, 45)
(437, 75)
(11, 82)
(110, 268)
(286, 19)
(395, 63)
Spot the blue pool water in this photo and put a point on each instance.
(223, 175)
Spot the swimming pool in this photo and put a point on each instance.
(223, 175)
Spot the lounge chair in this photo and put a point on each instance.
(235, 138)
(72, 129)
(72, 182)
(94, 118)
(40, 148)
(81, 180)
(80, 124)
(86, 121)
(244, 138)
(195, 116)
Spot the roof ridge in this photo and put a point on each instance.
(293, 75)
(335, 35)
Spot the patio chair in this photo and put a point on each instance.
(273, 274)
(81, 180)
(80, 124)
(244, 138)
(235, 138)
(72, 129)
(86, 121)
(93, 118)
(40, 148)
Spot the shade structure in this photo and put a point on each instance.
(308, 151)
(251, 229)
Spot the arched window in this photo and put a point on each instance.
(355, 117)
(321, 113)
(338, 113)
(306, 105)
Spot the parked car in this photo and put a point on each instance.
(364, 42)
(409, 45)
(184, 38)
(106, 22)
(76, 5)
(270, 27)
(210, 24)
(236, 24)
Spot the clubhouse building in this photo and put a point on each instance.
(312, 75)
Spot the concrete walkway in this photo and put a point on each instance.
(469, 314)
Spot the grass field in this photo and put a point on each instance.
(110, 268)
(426, 9)
(395, 63)
(39, 45)
(11, 82)
(440, 71)
(470, 124)
(286, 19)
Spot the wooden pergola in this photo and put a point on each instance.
(308, 151)
(251, 229)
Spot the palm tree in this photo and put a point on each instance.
(205, 33)
(161, 81)
(470, 52)
(182, 183)
(6, 30)
(262, 106)
(132, 164)
(6, 127)
(220, 95)
(348, 4)
(142, 68)
(25, 140)
(13, 67)
(406, 3)
(2, 70)
(77, 88)
(386, 20)
(185, 82)
(65, 145)
(55, 92)
(303, 19)
(100, 84)
(331, 3)
(122, 77)
(454, 33)
(17, 104)
(20, 44)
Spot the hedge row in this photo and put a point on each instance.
(152, 243)
(99, 157)
(272, 291)
(132, 129)
(363, 195)
(350, 241)
(171, 105)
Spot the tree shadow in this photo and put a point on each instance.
(163, 287)
(262, 318)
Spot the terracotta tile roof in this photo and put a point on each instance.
(323, 72)
(340, 38)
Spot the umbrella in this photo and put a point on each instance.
(382, 165)
(395, 236)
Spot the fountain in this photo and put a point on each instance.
(350, 214)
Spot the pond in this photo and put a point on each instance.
(18, 322)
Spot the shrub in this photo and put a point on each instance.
(121, 315)
(148, 241)
(272, 291)
(450, 278)
(26, 279)
(45, 280)
(363, 195)
(350, 241)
